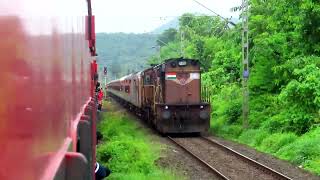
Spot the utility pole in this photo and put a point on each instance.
(245, 61)
(181, 43)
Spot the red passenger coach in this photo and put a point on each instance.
(47, 78)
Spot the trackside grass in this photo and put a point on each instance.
(303, 151)
(127, 150)
(274, 128)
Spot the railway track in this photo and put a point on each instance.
(225, 162)
(214, 170)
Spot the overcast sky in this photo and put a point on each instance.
(139, 16)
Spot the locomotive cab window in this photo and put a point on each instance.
(147, 80)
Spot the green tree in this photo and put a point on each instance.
(167, 36)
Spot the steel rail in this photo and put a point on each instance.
(256, 163)
(214, 170)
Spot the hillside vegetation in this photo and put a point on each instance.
(124, 53)
(284, 79)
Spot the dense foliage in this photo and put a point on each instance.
(284, 80)
(127, 150)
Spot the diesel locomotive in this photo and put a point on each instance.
(167, 95)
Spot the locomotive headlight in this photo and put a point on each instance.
(204, 115)
(201, 107)
(182, 63)
(166, 107)
(166, 115)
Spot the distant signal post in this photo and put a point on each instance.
(105, 72)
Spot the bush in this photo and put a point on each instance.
(262, 107)
(247, 137)
(139, 176)
(226, 131)
(215, 125)
(128, 155)
(291, 119)
(313, 166)
(117, 124)
(260, 137)
(304, 150)
(305, 88)
(274, 142)
(233, 112)
(127, 151)
(253, 137)
(227, 104)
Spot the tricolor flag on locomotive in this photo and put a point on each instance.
(171, 76)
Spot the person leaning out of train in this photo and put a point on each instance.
(97, 87)
(100, 99)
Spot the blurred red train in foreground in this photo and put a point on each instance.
(47, 77)
(168, 96)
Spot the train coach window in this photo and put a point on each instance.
(127, 89)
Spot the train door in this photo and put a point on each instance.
(135, 91)
(148, 90)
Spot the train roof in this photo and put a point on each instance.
(174, 59)
(125, 77)
(155, 66)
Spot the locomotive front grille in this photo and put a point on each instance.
(183, 118)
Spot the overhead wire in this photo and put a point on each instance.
(204, 6)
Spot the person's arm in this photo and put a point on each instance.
(101, 172)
